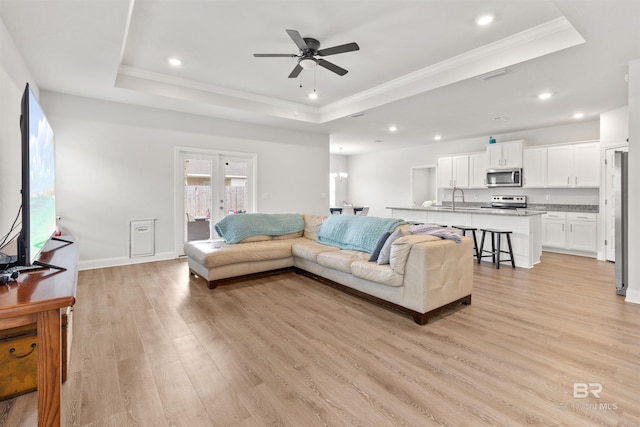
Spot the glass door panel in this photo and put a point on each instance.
(198, 195)
(236, 178)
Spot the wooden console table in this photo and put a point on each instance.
(37, 297)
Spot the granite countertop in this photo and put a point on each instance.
(473, 210)
(532, 207)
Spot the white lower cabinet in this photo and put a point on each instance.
(553, 230)
(570, 232)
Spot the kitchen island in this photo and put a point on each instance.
(525, 225)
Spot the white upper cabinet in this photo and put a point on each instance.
(534, 167)
(478, 170)
(453, 171)
(586, 165)
(576, 165)
(461, 171)
(505, 155)
(445, 172)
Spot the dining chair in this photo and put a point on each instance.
(364, 211)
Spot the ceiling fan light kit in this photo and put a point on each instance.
(307, 63)
(309, 52)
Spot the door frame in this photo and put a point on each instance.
(430, 170)
(217, 184)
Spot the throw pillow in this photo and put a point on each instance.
(385, 252)
(379, 245)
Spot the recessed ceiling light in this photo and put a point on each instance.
(578, 115)
(175, 62)
(545, 95)
(437, 137)
(484, 20)
(392, 128)
(313, 95)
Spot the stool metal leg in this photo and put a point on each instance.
(475, 242)
(493, 247)
(497, 252)
(513, 263)
(481, 248)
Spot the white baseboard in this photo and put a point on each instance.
(114, 262)
(632, 296)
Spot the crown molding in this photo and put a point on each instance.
(550, 37)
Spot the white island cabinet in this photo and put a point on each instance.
(525, 225)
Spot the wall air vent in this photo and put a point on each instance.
(492, 74)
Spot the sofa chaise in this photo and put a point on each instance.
(423, 276)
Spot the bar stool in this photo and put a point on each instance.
(494, 253)
(473, 230)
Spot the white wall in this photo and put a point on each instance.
(115, 163)
(633, 290)
(13, 77)
(614, 127)
(383, 178)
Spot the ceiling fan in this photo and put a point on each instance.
(307, 58)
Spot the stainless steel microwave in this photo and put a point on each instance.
(504, 177)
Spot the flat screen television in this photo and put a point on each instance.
(38, 182)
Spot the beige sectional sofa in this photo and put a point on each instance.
(425, 274)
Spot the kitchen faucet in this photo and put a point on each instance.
(453, 197)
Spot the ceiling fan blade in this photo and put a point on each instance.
(349, 47)
(275, 55)
(332, 67)
(298, 40)
(295, 71)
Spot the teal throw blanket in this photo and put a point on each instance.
(360, 233)
(234, 228)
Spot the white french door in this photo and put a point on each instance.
(209, 185)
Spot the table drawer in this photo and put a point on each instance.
(19, 356)
(19, 361)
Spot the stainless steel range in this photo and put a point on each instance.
(507, 202)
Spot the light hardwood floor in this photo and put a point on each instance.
(153, 347)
